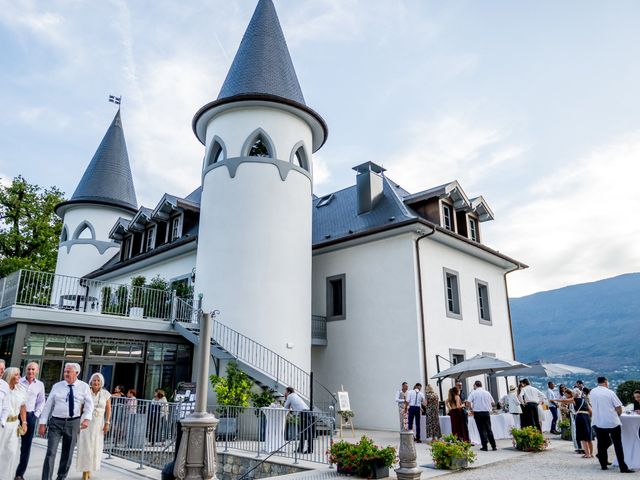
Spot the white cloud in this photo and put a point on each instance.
(28, 16)
(321, 172)
(451, 148)
(579, 222)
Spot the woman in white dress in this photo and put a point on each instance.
(10, 434)
(91, 439)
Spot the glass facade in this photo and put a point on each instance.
(6, 347)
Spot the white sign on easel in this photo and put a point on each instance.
(345, 406)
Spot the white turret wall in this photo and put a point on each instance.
(78, 259)
(254, 243)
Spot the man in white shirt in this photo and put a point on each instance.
(295, 403)
(415, 399)
(68, 401)
(553, 407)
(4, 393)
(531, 397)
(480, 402)
(34, 390)
(607, 408)
(401, 401)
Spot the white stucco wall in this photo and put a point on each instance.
(83, 258)
(377, 346)
(468, 334)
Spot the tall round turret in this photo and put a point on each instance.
(254, 241)
(104, 194)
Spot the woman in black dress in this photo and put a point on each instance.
(582, 411)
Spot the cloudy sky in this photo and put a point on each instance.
(532, 104)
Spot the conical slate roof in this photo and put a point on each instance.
(262, 71)
(107, 180)
(262, 64)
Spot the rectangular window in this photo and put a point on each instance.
(336, 302)
(473, 229)
(447, 217)
(484, 312)
(176, 227)
(151, 239)
(452, 293)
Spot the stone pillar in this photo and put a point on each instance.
(408, 465)
(196, 459)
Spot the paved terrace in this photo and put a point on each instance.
(559, 461)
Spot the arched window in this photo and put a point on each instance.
(259, 148)
(217, 152)
(300, 158)
(259, 145)
(84, 230)
(64, 236)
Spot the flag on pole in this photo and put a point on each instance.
(114, 99)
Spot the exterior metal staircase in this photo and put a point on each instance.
(265, 366)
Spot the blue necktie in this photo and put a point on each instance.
(71, 401)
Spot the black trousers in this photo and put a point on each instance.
(25, 447)
(483, 422)
(530, 417)
(67, 430)
(607, 436)
(306, 431)
(414, 414)
(554, 415)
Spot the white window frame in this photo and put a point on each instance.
(484, 311)
(473, 229)
(150, 238)
(446, 217)
(127, 244)
(175, 227)
(454, 289)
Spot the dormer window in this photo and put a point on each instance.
(126, 247)
(259, 148)
(447, 217)
(299, 157)
(324, 200)
(150, 240)
(176, 227)
(473, 229)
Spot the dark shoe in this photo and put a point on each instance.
(418, 440)
(19, 477)
(494, 449)
(555, 432)
(484, 449)
(604, 468)
(628, 470)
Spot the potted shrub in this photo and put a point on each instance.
(529, 439)
(364, 458)
(451, 453)
(565, 429)
(233, 390)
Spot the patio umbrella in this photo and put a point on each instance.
(546, 369)
(478, 365)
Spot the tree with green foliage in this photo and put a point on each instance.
(29, 228)
(625, 390)
(233, 390)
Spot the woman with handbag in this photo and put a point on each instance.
(15, 409)
(582, 420)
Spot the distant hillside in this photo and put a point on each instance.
(594, 325)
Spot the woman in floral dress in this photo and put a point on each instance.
(433, 418)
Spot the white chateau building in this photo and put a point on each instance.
(366, 287)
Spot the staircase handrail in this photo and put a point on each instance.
(258, 356)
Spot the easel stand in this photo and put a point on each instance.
(345, 424)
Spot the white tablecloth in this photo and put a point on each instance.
(274, 431)
(501, 425)
(631, 440)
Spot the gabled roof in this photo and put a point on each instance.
(481, 208)
(140, 219)
(451, 189)
(169, 204)
(107, 180)
(119, 229)
(339, 218)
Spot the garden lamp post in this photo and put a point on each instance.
(196, 458)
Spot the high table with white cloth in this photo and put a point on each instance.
(501, 424)
(274, 432)
(631, 439)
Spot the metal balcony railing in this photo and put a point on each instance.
(61, 292)
(319, 329)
